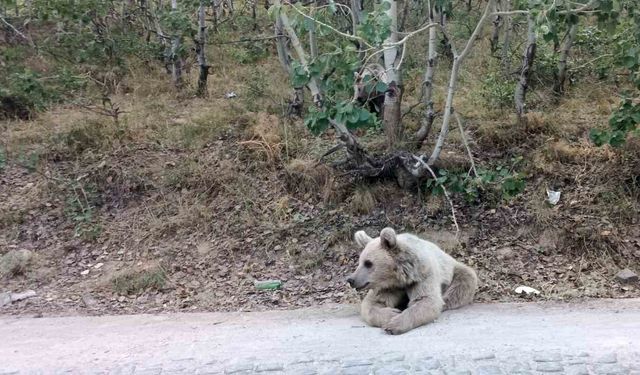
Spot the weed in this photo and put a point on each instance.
(503, 179)
(497, 91)
(29, 160)
(135, 281)
(3, 159)
(15, 262)
(80, 209)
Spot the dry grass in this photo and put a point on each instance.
(15, 262)
(309, 177)
(138, 279)
(363, 201)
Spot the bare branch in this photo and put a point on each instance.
(17, 31)
(466, 144)
(426, 166)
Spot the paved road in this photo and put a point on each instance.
(596, 337)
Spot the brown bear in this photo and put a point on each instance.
(410, 281)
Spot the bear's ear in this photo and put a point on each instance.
(388, 238)
(362, 239)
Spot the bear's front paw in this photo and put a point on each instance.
(396, 326)
(386, 314)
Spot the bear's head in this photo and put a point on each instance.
(377, 265)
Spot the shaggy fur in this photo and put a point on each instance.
(410, 281)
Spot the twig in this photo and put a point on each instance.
(590, 62)
(246, 40)
(446, 194)
(17, 31)
(331, 151)
(466, 144)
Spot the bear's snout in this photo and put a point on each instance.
(351, 281)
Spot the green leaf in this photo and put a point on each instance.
(332, 6)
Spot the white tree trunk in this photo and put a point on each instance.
(561, 75)
(392, 121)
(354, 149)
(176, 66)
(201, 50)
(427, 86)
(455, 69)
(506, 40)
(526, 69)
(356, 19)
(497, 25)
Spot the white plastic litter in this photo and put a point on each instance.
(553, 197)
(528, 290)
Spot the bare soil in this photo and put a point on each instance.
(200, 226)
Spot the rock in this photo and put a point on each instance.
(84, 273)
(88, 300)
(5, 299)
(505, 253)
(627, 276)
(15, 297)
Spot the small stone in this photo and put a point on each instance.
(331, 370)
(265, 367)
(98, 266)
(610, 369)
(121, 298)
(430, 364)
(149, 371)
(392, 370)
(547, 357)
(578, 370)
(305, 371)
(518, 368)
(302, 360)
(577, 361)
(209, 370)
(505, 253)
(239, 368)
(627, 276)
(608, 358)
(88, 300)
(84, 273)
(5, 299)
(483, 356)
(359, 370)
(356, 363)
(15, 297)
(549, 367)
(489, 370)
(392, 357)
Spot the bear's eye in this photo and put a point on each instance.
(368, 264)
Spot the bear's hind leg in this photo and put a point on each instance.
(462, 288)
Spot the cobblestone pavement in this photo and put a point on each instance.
(595, 337)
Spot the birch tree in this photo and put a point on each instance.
(201, 50)
(526, 68)
(176, 43)
(561, 75)
(393, 96)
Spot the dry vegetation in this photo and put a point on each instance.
(184, 201)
